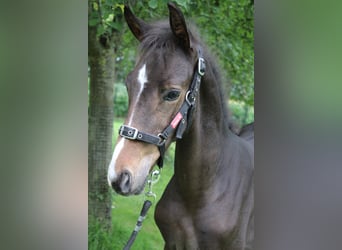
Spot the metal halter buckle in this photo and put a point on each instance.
(131, 133)
(201, 66)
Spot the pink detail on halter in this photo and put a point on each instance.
(176, 120)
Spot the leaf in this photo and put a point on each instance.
(95, 6)
(183, 3)
(115, 25)
(100, 30)
(110, 18)
(153, 4)
(121, 6)
(93, 22)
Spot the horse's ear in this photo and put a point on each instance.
(137, 26)
(178, 26)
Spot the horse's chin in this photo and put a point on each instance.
(140, 184)
(140, 188)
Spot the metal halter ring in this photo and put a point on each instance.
(187, 98)
(162, 139)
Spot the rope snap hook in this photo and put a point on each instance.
(154, 178)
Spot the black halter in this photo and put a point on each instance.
(179, 122)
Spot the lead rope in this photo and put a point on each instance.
(154, 178)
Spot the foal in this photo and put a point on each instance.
(208, 203)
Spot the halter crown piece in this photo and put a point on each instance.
(179, 122)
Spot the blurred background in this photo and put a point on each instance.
(44, 92)
(43, 124)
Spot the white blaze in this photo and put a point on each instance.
(142, 79)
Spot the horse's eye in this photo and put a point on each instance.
(171, 95)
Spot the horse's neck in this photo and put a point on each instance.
(200, 153)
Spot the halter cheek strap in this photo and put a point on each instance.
(179, 122)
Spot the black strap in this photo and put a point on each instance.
(134, 134)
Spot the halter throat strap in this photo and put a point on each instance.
(180, 120)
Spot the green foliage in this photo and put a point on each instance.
(106, 15)
(241, 112)
(228, 29)
(120, 100)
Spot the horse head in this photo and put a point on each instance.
(157, 87)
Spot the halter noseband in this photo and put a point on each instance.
(179, 122)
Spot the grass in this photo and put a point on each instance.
(125, 212)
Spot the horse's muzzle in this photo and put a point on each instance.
(123, 184)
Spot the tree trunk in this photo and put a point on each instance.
(101, 61)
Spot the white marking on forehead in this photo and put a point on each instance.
(142, 79)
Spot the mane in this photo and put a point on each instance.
(160, 38)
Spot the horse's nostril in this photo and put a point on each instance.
(123, 184)
(126, 181)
